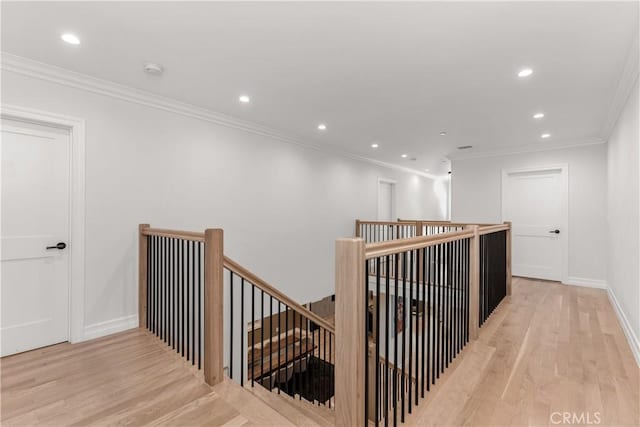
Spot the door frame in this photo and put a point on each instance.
(393, 195)
(76, 128)
(564, 208)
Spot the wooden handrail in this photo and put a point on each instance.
(390, 223)
(488, 229)
(174, 234)
(426, 221)
(374, 250)
(272, 291)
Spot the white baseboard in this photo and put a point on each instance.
(109, 327)
(587, 283)
(634, 343)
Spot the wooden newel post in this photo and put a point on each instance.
(351, 334)
(474, 283)
(358, 228)
(508, 255)
(142, 276)
(213, 306)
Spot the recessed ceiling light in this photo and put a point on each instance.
(525, 72)
(538, 115)
(443, 133)
(545, 135)
(374, 145)
(244, 99)
(70, 38)
(426, 170)
(322, 126)
(404, 156)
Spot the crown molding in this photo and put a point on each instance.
(562, 145)
(625, 85)
(42, 71)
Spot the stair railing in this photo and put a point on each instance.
(411, 305)
(289, 349)
(180, 294)
(219, 316)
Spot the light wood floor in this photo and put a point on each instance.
(547, 349)
(131, 378)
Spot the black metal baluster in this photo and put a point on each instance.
(468, 280)
(460, 309)
(262, 335)
(404, 330)
(199, 335)
(173, 294)
(279, 339)
(194, 284)
(163, 311)
(293, 382)
(454, 297)
(286, 347)
(182, 285)
(428, 314)
(411, 301)
(395, 341)
(253, 333)
(449, 295)
(439, 307)
(377, 326)
(445, 292)
(165, 292)
(271, 342)
(188, 286)
(424, 315)
(386, 345)
(439, 302)
(231, 325)
(367, 263)
(330, 357)
(416, 388)
(152, 296)
(242, 334)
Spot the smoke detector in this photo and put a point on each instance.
(153, 68)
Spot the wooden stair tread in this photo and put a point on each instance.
(272, 362)
(298, 412)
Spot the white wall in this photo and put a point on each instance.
(281, 205)
(623, 247)
(476, 197)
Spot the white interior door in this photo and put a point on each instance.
(35, 218)
(385, 201)
(535, 202)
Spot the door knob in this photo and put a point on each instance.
(60, 245)
(555, 231)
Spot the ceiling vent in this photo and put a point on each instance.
(155, 69)
(465, 147)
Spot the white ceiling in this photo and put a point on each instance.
(392, 73)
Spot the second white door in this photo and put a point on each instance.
(535, 201)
